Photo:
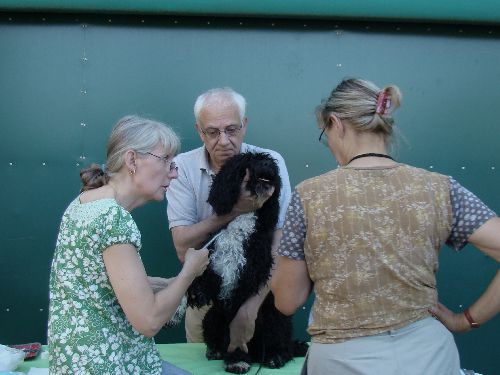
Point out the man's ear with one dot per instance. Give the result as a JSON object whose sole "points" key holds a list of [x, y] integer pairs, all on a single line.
{"points": [[200, 133]]}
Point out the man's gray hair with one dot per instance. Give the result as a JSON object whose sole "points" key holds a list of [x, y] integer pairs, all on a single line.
{"points": [[220, 96]]}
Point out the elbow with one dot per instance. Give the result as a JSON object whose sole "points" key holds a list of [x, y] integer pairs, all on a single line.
{"points": [[284, 308], [181, 254], [148, 328]]}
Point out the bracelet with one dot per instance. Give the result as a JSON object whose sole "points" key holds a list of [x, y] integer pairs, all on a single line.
{"points": [[471, 321]]}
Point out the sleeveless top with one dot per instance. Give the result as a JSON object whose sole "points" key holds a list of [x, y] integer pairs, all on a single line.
{"points": [[371, 247]]}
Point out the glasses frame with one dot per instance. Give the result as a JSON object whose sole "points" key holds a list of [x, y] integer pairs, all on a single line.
{"points": [[171, 164], [238, 129]]}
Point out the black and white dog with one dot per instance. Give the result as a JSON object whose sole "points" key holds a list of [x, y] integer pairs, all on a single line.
{"points": [[240, 263]]}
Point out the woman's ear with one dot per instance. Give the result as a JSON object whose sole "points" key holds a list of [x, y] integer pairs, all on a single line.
{"points": [[338, 125], [130, 161]]}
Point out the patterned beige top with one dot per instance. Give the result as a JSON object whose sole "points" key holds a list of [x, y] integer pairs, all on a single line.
{"points": [[370, 237]]}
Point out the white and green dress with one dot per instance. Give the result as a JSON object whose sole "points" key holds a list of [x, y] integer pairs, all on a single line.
{"points": [[88, 332]]}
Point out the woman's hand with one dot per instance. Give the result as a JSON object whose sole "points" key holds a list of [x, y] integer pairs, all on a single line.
{"points": [[195, 262], [454, 322]]}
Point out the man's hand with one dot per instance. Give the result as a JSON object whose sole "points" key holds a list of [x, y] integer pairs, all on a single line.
{"points": [[241, 329], [248, 202]]}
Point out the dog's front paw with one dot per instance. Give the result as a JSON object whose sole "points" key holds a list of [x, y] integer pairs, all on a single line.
{"points": [[240, 367], [213, 354], [276, 361]]}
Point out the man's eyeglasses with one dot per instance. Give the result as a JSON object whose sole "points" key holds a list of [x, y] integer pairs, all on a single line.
{"points": [[165, 159], [214, 133]]}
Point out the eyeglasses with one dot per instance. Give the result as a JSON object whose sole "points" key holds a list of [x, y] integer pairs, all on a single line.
{"points": [[324, 141], [214, 133], [165, 159]]}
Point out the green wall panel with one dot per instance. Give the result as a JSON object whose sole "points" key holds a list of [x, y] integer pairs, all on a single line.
{"points": [[484, 11], [66, 79]]}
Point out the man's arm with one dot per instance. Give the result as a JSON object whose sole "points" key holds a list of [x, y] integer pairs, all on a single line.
{"points": [[242, 327], [187, 236], [194, 235]]}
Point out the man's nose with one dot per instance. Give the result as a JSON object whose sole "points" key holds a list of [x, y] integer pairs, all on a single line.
{"points": [[223, 138]]}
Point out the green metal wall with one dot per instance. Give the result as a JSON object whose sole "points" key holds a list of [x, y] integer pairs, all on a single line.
{"points": [[65, 79]]}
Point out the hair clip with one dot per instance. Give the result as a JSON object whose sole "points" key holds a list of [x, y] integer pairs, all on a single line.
{"points": [[383, 103], [263, 179]]}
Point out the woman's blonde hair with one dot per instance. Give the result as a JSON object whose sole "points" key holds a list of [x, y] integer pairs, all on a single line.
{"points": [[130, 133], [366, 107]]}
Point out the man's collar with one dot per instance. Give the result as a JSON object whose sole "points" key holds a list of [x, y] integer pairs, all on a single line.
{"points": [[204, 163]]}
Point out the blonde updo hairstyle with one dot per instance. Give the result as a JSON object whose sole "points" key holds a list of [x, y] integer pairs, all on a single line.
{"points": [[129, 133], [356, 101]]}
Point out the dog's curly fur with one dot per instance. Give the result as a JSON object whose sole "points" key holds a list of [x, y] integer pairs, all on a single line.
{"points": [[246, 244]]}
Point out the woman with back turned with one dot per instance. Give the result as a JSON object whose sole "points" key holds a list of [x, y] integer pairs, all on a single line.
{"points": [[103, 310], [366, 237]]}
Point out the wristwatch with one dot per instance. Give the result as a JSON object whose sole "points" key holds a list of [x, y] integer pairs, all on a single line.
{"points": [[471, 321]]}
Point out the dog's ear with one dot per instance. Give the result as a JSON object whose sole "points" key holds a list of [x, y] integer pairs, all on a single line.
{"points": [[226, 185]]}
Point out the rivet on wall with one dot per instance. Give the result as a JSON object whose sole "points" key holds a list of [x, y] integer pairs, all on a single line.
{"points": [[307, 165], [431, 167], [429, 29], [463, 167], [339, 65], [336, 26], [83, 124], [272, 24], [490, 32], [11, 163], [43, 163], [77, 164], [43, 19], [7, 309], [83, 92], [84, 59], [84, 25], [82, 157], [460, 31], [41, 309], [176, 21], [208, 22], [109, 20], [398, 28], [367, 27], [305, 25], [241, 23], [493, 168], [10, 18]]}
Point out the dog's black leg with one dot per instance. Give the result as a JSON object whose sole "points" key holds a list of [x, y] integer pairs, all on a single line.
{"points": [[215, 332], [276, 335]]}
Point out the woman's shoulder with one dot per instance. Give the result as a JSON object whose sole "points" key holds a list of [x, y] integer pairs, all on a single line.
{"points": [[98, 209], [423, 173], [316, 181]]}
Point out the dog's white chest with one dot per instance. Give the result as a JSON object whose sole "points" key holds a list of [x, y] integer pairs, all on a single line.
{"points": [[228, 259]]}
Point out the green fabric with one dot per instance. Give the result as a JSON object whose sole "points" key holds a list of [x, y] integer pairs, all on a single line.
{"points": [[88, 330], [190, 357]]}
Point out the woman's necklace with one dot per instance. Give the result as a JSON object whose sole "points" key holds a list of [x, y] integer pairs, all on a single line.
{"points": [[368, 154]]}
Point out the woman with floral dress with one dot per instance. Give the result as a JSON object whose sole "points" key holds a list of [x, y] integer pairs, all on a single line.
{"points": [[104, 309]]}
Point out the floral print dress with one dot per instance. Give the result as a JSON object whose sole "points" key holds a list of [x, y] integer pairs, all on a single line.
{"points": [[88, 332]]}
